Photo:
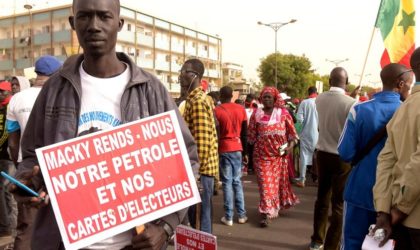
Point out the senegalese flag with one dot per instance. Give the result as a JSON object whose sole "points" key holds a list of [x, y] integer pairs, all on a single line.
{"points": [[397, 24]]}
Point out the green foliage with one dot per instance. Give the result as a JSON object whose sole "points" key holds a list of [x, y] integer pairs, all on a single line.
{"points": [[294, 75]]}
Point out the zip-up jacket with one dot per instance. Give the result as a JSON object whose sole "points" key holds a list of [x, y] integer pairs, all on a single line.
{"points": [[55, 118]]}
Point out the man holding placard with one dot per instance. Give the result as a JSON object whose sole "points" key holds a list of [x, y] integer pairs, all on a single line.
{"points": [[96, 91]]}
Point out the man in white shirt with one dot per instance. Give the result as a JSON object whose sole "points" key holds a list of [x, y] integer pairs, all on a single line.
{"points": [[18, 112]]}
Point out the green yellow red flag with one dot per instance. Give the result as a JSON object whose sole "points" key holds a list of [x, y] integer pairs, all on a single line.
{"points": [[396, 21]]}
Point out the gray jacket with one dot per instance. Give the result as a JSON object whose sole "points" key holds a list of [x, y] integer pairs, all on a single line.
{"points": [[55, 116]]}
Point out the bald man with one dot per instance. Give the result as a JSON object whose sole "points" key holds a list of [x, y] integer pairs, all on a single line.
{"points": [[396, 192], [332, 107], [366, 121]]}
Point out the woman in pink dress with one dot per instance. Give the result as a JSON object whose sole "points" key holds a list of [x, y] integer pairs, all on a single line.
{"points": [[270, 128]]}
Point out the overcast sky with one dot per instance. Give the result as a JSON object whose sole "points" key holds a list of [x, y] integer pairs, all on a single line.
{"points": [[325, 29]]}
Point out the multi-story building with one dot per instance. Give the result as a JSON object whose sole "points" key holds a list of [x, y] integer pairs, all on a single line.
{"points": [[233, 76], [157, 45]]}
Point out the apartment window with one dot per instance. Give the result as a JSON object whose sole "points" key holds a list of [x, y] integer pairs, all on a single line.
{"points": [[129, 27], [167, 58], [205, 47], [148, 55], [47, 51], [140, 29], [46, 29]]}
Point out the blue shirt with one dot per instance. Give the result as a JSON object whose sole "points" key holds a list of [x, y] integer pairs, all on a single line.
{"points": [[363, 122]]}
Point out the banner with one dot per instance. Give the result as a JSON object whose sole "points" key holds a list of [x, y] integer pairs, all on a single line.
{"points": [[108, 182]]}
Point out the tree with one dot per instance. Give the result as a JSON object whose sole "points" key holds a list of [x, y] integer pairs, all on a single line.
{"points": [[293, 73]]}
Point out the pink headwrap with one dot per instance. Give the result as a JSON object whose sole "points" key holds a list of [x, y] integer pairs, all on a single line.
{"points": [[278, 101]]}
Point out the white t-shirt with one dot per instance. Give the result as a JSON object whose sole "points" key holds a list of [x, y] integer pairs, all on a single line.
{"points": [[100, 110], [18, 111]]}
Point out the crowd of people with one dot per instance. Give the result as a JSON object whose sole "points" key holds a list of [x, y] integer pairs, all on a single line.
{"points": [[363, 155]]}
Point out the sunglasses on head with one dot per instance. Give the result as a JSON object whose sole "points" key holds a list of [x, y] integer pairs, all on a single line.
{"points": [[402, 73]]}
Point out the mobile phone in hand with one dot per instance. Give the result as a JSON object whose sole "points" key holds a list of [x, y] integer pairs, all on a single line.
{"points": [[282, 148], [20, 185]]}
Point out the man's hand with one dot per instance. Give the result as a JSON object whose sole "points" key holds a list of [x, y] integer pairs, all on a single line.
{"points": [[245, 159], [397, 216], [21, 196], [153, 237], [355, 92], [383, 221], [290, 148]]}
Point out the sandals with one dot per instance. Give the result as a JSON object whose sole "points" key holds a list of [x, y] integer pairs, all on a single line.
{"points": [[265, 221]]}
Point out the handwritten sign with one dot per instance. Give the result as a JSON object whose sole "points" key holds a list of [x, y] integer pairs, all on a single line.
{"points": [[108, 182], [187, 238]]}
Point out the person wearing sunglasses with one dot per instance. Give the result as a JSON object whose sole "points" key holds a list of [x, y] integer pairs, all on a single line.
{"points": [[198, 115], [363, 138]]}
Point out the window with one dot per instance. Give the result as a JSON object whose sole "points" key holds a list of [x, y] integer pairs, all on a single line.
{"points": [[46, 29], [129, 27], [140, 29]]}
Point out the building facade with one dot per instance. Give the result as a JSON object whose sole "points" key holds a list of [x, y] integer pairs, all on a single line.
{"points": [[156, 45], [233, 76]]}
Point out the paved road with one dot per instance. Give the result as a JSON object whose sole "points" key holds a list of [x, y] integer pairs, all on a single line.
{"points": [[291, 230]]}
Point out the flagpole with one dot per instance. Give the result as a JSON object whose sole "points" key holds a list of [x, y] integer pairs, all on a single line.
{"points": [[367, 54], [370, 44]]}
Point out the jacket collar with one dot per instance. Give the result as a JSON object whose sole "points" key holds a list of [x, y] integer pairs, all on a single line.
{"points": [[387, 95], [195, 93], [415, 89], [71, 66]]}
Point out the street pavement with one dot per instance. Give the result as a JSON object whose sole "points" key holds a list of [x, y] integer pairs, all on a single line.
{"points": [[292, 230]]}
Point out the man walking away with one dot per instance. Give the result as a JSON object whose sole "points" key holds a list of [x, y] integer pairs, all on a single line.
{"points": [[332, 107], [232, 152], [363, 138], [307, 116]]}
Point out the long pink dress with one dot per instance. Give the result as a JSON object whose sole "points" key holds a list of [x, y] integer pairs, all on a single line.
{"points": [[268, 133]]}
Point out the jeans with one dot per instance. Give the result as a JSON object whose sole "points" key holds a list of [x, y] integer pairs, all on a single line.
{"points": [[230, 171], [205, 209], [8, 209], [206, 203], [333, 174]]}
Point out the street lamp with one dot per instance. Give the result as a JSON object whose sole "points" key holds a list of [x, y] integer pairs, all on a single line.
{"points": [[337, 62], [31, 55], [276, 26]]}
